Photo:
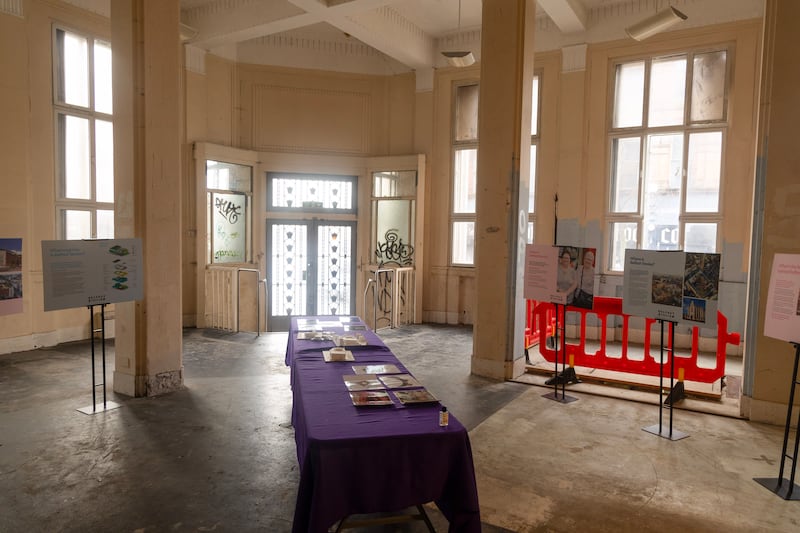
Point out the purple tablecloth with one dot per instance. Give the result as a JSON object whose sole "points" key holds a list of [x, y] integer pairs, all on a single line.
{"points": [[356, 460]]}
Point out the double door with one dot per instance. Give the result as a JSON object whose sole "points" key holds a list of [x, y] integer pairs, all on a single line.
{"points": [[310, 269]]}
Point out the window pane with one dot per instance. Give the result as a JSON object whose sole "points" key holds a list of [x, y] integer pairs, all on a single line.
{"points": [[104, 158], [464, 180], [77, 158], [667, 91], [701, 237], [466, 124], [105, 224], [662, 192], [703, 173], [77, 224], [623, 236], [75, 62], [303, 192], [228, 176], [102, 77], [532, 182], [229, 223], [463, 243], [625, 175], [393, 228], [629, 95], [535, 106], [708, 86], [394, 184], [530, 233]]}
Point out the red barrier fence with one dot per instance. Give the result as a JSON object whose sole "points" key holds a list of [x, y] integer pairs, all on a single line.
{"points": [[541, 320]]}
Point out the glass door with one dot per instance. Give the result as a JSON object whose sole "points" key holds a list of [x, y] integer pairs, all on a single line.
{"points": [[310, 269]]}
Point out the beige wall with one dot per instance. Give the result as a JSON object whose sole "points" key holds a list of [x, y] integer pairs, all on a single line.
{"points": [[286, 114], [26, 159]]}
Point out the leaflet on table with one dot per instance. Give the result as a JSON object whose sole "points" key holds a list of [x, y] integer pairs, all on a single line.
{"points": [[782, 319], [400, 381], [674, 286], [362, 382], [376, 369], [366, 398], [414, 396]]}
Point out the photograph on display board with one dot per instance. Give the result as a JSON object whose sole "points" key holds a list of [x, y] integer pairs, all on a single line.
{"points": [[10, 276], [560, 274]]}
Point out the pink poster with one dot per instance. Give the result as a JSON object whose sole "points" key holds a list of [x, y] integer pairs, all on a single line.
{"points": [[10, 276], [782, 319]]}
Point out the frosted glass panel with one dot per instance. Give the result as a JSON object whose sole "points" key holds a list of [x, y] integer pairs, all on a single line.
{"points": [[75, 64], [708, 86], [102, 77], [625, 175], [229, 228], [77, 224], [334, 269], [463, 251], [315, 193], [104, 157], [629, 95], [77, 157], [703, 177], [394, 239], [667, 92], [105, 224], [466, 123], [288, 266], [464, 181], [701, 237]]}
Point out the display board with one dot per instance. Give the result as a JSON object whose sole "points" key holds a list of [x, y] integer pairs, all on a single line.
{"points": [[10, 276], [560, 274], [674, 286], [91, 272], [782, 319]]}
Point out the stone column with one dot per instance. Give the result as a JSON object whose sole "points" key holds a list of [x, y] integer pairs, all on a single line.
{"points": [[146, 52], [776, 224], [504, 125]]}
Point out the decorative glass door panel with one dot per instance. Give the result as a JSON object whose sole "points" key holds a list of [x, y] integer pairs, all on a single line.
{"points": [[310, 269], [335, 270], [288, 249]]}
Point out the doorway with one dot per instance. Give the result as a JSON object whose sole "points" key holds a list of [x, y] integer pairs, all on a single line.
{"points": [[310, 269]]}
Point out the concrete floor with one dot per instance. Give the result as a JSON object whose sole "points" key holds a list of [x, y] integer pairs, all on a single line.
{"points": [[219, 455]]}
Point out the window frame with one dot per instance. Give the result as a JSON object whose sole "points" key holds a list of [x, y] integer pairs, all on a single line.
{"points": [[456, 146], [644, 132], [63, 203]]}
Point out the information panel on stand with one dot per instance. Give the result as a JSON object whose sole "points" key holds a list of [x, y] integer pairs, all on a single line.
{"points": [[782, 319], [673, 286], [91, 272]]}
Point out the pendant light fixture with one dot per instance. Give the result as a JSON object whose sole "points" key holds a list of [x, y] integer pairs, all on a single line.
{"points": [[459, 58], [655, 24]]}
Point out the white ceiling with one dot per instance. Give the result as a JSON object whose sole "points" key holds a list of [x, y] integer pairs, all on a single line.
{"points": [[393, 36]]}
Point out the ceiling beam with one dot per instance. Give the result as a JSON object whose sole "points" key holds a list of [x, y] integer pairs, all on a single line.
{"points": [[569, 15]]}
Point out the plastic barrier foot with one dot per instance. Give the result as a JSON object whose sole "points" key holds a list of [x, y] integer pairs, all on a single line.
{"points": [[677, 394]]}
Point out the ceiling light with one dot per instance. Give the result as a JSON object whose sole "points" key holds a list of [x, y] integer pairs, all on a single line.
{"points": [[655, 24], [459, 58]]}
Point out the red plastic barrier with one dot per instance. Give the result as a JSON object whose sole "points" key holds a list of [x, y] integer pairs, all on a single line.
{"points": [[604, 307]]}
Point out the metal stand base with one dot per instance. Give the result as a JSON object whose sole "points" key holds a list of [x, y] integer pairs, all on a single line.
{"points": [[780, 487], [667, 433], [562, 398], [93, 410]]}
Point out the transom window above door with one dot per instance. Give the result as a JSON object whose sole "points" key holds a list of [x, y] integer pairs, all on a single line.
{"points": [[311, 193]]}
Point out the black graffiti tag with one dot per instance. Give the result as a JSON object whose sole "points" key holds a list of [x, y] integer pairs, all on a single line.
{"points": [[228, 209]]}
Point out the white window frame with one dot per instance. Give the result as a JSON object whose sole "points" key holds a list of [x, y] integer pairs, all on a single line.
{"points": [[63, 204], [643, 132]]}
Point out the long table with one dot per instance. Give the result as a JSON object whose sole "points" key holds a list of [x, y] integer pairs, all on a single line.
{"points": [[361, 460]]}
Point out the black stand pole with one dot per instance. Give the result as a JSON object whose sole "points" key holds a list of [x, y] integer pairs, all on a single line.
{"points": [[658, 429], [562, 341], [787, 491], [107, 406]]}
